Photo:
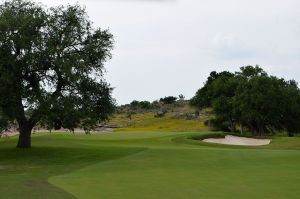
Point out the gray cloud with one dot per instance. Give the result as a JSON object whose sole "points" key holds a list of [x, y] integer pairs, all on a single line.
{"points": [[170, 47], [230, 46]]}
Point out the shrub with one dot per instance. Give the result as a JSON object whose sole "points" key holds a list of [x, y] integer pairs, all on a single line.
{"points": [[168, 100]]}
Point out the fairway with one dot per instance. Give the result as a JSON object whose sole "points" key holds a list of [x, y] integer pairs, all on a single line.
{"points": [[147, 165]]}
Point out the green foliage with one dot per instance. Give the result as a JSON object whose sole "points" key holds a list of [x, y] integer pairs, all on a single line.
{"points": [[250, 71], [291, 112], [51, 66], [146, 105], [208, 92], [218, 124], [181, 97], [3, 121], [164, 104], [134, 104], [251, 98], [168, 100]]}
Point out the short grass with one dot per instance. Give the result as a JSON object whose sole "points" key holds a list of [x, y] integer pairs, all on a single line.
{"points": [[148, 165]]}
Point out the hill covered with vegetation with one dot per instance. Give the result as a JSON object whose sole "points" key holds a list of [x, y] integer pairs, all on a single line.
{"points": [[166, 114]]}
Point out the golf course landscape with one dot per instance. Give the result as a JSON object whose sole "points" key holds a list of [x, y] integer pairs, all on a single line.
{"points": [[150, 165], [149, 99]]}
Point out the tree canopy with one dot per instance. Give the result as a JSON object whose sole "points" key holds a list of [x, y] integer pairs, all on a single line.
{"points": [[51, 68], [168, 100], [251, 99]]}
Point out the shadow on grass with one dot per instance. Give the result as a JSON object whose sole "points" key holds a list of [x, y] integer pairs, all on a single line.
{"points": [[24, 173]]}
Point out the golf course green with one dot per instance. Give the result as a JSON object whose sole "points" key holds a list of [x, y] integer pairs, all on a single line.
{"points": [[149, 165]]}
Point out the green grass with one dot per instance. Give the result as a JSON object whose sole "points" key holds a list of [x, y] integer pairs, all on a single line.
{"points": [[146, 122], [148, 165]]}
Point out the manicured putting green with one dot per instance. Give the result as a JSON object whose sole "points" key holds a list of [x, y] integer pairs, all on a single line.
{"points": [[147, 165]]}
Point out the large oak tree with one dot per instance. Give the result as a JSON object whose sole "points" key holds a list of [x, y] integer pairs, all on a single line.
{"points": [[51, 68]]}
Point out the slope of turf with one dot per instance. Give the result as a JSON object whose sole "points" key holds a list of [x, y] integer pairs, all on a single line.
{"points": [[147, 165], [25, 173]]}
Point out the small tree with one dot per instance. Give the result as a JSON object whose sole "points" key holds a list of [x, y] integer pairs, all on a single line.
{"points": [[51, 67], [181, 97], [134, 104], [145, 105], [168, 100]]}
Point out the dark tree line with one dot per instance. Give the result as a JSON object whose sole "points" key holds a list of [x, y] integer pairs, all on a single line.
{"points": [[251, 100], [146, 105]]}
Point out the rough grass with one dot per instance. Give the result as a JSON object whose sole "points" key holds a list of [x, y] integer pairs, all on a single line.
{"points": [[147, 122], [150, 165]]}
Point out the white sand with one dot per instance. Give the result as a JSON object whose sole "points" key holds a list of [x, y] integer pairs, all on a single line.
{"points": [[234, 140]]}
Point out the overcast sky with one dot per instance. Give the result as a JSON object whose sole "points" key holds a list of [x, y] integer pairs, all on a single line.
{"points": [[169, 47]]}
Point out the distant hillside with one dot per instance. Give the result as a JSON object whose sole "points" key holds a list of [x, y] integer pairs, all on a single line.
{"points": [[178, 116]]}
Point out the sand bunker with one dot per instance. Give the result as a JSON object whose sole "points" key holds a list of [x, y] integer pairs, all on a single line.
{"points": [[234, 140]]}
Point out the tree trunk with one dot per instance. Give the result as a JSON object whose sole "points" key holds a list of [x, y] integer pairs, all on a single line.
{"points": [[242, 129], [290, 134], [232, 125], [261, 129], [25, 135]]}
